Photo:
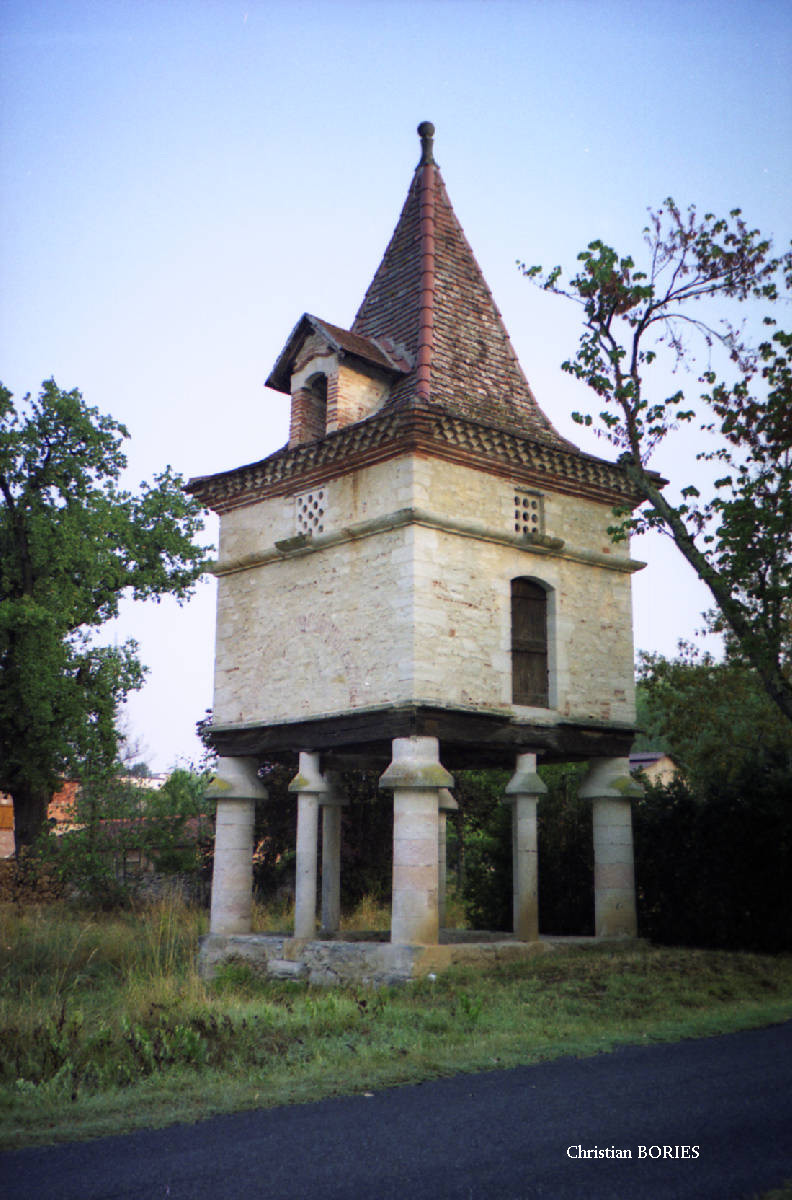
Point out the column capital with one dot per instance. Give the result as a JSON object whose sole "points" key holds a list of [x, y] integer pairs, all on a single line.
{"points": [[334, 797], [446, 802], [525, 781], [416, 766], [309, 777], [609, 779], [236, 779]]}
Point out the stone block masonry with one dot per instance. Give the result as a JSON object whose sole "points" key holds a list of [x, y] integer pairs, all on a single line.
{"points": [[375, 964], [426, 565], [405, 596]]}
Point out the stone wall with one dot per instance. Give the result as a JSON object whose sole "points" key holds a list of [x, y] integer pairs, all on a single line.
{"points": [[403, 593], [372, 964], [316, 633]]}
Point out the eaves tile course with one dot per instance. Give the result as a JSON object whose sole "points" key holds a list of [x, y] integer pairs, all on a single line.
{"points": [[424, 429]]}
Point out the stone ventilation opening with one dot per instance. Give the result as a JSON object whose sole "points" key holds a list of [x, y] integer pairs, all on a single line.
{"points": [[528, 512], [311, 508]]}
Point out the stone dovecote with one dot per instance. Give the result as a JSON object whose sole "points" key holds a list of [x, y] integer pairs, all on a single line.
{"points": [[367, 568], [426, 562]]}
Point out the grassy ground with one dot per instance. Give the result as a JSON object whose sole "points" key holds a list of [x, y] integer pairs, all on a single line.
{"points": [[106, 1026]]}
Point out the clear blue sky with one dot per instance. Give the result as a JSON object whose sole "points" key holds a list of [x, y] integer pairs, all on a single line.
{"points": [[181, 180]]}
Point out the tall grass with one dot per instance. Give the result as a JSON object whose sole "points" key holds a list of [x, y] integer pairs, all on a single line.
{"points": [[371, 913], [106, 1024]]}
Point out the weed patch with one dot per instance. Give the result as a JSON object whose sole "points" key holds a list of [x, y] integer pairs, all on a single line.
{"points": [[107, 1026]]}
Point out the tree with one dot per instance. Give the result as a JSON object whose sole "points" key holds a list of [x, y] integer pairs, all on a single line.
{"points": [[120, 829], [715, 718], [739, 541], [72, 543]]}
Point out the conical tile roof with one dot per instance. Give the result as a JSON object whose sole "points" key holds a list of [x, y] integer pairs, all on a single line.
{"points": [[457, 390], [429, 294]]}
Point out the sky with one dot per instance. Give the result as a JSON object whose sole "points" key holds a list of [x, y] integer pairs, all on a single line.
{"points": [[182, 179]]}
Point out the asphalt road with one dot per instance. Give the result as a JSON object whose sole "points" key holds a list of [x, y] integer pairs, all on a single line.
{"points": [[502, 1135]]}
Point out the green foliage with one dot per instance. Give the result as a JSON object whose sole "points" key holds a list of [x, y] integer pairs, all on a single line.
{"points": [[713, 717], [566, 853], [566, 884], [484, 829], [120, 829], [739, 539], [366, 837], [366, 840], [179, 822], [72, 543], [714, 849], [275, 836], [713, 869], [649, 731], [101, 1036]]}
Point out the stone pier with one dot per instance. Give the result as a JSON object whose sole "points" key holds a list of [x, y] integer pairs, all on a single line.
{"points": [[310, 786], [332, 803], [610, 787], [446, 804], [416, 777], [522, 792], [236, 787]]}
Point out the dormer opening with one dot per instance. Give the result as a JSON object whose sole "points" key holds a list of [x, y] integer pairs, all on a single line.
{"points": [[309, 411]]}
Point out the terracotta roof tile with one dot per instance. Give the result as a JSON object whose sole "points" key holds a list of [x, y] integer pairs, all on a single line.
{"points": [[473, 368]]}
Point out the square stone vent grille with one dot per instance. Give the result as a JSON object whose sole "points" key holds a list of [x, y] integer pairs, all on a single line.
{"points": [[311, 508], [528, 512]]}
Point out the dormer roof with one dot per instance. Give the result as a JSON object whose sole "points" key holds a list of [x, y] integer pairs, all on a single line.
{"points": [[381, 353]]}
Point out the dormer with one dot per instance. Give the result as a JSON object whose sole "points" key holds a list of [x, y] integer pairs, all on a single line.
{"points": [[335, 378]]}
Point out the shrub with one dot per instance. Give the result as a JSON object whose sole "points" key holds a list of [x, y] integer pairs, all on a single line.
{"points": [[566, 871], [713, 870]]}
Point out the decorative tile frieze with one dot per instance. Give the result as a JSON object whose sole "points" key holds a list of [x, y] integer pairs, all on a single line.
{"points": [[426, 429]]}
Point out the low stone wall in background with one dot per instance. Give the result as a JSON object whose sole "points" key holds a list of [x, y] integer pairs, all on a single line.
{"points": [[24, 882]]}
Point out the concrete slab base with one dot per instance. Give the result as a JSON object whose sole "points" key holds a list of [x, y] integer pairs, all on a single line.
{"points": [[370, 963]]}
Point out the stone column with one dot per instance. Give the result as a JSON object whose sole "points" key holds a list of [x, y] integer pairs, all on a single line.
{"points": [[522, 792], [415, 776], [332, 803], [236, 787], [610, 788], [310, 786], [446, 804]]}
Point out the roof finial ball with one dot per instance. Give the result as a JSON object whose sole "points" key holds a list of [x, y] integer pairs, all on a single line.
{"points": [[426, 132]]}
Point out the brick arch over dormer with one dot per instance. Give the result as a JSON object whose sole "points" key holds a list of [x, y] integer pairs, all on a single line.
{"points": [[308, 420]]}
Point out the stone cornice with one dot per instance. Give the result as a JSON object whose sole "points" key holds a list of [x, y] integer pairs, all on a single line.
{"points": [[533, 718], [419, 429], [537, 544], [469, 736]]}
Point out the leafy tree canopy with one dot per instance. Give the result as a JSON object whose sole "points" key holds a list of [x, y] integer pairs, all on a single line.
{"points": [[72, 543], [676, 303], [715, 718]]}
